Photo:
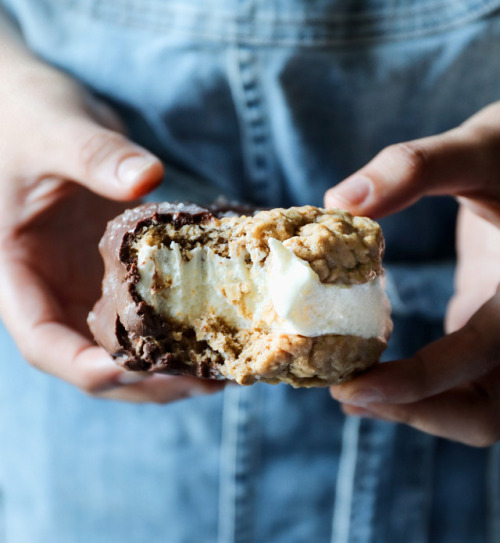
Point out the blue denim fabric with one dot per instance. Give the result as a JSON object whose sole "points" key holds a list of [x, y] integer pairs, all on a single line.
{"points": [[270, 102]]}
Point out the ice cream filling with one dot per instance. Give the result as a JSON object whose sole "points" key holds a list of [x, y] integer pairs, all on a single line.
{"points": [[283, 294]]}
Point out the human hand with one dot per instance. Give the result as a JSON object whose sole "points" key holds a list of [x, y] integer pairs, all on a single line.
{"points": [[63, 159], [450, 388]]}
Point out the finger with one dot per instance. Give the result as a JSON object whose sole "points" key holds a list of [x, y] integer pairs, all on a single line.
{"points": [[466, 414], [460, 308], [478, 248], [36, 322], [102, 160], [458, 358], [162, 389], [464, 161]]}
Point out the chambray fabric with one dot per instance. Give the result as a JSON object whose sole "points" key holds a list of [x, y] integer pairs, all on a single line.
{"points": [[269, 102]]}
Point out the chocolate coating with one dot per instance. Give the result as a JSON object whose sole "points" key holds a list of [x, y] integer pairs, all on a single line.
{"points": [[120, 317]]}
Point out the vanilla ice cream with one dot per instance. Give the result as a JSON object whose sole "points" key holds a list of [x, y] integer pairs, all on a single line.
{"points": [[282, 295]]}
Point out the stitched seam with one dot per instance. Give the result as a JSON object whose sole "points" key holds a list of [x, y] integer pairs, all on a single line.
{"points": [[243, 478], [234, 80], [238, 445], [364, 487], [224, 16], [235, 37], [256, 126], [342, 511], [228, 466], [244, 82]]}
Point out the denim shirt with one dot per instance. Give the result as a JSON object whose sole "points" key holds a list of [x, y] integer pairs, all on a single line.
{"points": [[269, 102]]}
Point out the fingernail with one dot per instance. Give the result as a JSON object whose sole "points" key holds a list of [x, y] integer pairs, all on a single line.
{"points": [[352, 192], [364, 396], [131, 169], [131, 377]]}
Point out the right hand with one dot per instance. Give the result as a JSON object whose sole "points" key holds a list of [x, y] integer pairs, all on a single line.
{"points": [[65, 166], [451, 387]]}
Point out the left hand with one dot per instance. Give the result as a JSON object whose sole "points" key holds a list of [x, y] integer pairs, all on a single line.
{"points": [[66, 168], [450, 388]]}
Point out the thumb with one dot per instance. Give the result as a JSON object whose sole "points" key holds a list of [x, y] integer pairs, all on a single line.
{"points": [[461, 162], [105, 161]]}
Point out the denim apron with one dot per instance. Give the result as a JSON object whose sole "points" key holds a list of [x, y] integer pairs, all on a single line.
{"points": [[269, 102]]}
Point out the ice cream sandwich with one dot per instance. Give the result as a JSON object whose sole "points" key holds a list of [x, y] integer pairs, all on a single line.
{"points": [[284, 295]]}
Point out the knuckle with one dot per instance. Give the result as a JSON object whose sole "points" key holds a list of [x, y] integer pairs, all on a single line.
{"points": [[92, 385], [414, 156], [480, 332], [418, 380], [31, 355], [99, 147], [487, 433], [481, 135], [486, 423], [31, 358], [484, 140], [422, 379], [407, 416]]}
